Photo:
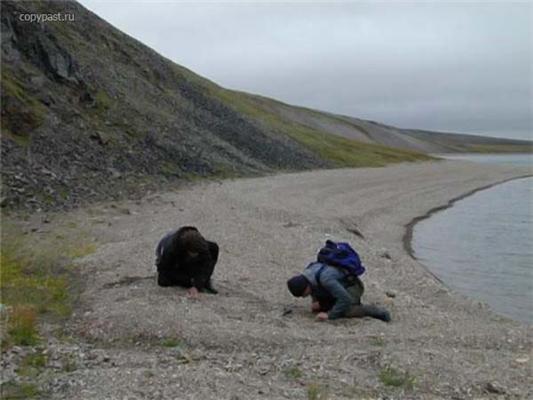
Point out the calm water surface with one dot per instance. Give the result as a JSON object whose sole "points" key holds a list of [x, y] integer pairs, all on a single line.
{"points": [[482, 246]]}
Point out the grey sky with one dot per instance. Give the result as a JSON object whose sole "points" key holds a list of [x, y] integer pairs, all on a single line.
{"points": [[450, 66]]}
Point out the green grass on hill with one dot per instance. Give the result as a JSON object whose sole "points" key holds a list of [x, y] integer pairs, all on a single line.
{"points": [[21, 111], [498, 148], [342, 152], [351, 153]]}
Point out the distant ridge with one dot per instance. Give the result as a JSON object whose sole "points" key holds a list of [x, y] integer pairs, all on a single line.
{"points": [[89, 113]]}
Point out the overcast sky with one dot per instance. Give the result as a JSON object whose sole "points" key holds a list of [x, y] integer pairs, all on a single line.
{"points": [[450, 66]]}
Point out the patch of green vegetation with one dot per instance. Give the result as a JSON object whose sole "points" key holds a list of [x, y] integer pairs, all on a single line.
{"points": [[390, 376], [102, 101], [377, 341], [148, 374], [130, 131], [81, 250], [226, 172], [181, 73], [15, 390], [316, 391], [21, 140], [171, 342], [32, 364], [69, 363], [499, 148], [341, 151], [35, 280], [64, 193], [22, 327], [183, 357], [192, 177], [23, 112], [170, 169], [30, 282], [294, 373], [13, 87], [350, 153]]}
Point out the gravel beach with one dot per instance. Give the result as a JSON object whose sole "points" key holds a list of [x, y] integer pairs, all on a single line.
{"points": [[135, 340]]}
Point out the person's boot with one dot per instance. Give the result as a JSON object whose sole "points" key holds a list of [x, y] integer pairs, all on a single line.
{"points": [[377, 312], [361, 311], [209, 288]]}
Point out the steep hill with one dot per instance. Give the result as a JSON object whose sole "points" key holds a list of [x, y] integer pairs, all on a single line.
{"points": [[366, 131], [90, 113]]}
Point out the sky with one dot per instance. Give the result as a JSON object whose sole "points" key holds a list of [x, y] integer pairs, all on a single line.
{"points": [[456, 66]]}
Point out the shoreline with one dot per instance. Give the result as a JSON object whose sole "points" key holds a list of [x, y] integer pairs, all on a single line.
{"points": [[241, 341], [408, 236]]}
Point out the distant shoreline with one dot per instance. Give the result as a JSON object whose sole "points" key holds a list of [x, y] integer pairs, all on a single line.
{"points": [[409, 228]]}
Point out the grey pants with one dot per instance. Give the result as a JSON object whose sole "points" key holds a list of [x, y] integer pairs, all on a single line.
{"points": [[359, 310]]}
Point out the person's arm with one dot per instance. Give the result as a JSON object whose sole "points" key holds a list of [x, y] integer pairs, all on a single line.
{"points": [[165, 253], [201, 269], [343, 299], [315, 305]]}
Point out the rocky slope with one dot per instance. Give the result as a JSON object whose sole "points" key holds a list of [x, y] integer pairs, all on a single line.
{"points": [[90, 113]]}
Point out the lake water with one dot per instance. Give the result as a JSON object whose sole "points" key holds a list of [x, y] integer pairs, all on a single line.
{"points": [[482, 246]]}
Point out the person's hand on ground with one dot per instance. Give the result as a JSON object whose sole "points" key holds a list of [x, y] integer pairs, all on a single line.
{"points": [[192, 293], [322, 316]]}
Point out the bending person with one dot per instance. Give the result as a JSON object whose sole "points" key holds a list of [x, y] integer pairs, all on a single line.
{"points": [[336, 293], [185, 258]]}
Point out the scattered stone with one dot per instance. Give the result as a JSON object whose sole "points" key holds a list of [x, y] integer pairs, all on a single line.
{"points": [[55, 364], [37, 81], [495, 387], [125, 211], [356, 232], [101, 137], [115, 174], [290, 224], [390, 294], [286, 311]]}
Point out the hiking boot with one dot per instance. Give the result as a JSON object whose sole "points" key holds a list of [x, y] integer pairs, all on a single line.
{"points": [[377, 312]]}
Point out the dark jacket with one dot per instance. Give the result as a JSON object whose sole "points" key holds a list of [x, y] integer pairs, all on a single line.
{"points": [[180, 263]]}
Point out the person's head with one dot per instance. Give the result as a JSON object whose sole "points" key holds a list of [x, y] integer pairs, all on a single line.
{"points": [[192, 242], [299, 286]]}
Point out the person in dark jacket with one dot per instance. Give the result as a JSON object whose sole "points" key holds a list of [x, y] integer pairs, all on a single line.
{"points": [[335, 293], [185, 258]]}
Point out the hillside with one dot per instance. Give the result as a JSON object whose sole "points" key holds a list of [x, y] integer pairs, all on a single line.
{"points": [[371, 132], [90, 113]]}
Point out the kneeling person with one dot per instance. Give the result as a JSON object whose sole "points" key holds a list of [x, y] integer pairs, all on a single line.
{"points": [[185, 258], [336, 293]]}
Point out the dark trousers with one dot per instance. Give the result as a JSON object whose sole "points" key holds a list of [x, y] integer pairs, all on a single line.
{"points": [[358, 310]]}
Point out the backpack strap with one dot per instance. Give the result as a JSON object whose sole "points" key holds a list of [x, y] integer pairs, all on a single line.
{"points": [[318, 273]]}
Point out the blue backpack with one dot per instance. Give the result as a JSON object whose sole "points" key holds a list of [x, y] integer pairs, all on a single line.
{"points": [[341, 255]]}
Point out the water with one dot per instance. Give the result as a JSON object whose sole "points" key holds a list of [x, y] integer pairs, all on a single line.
{"points": [[514, 159], [482, 245]]}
